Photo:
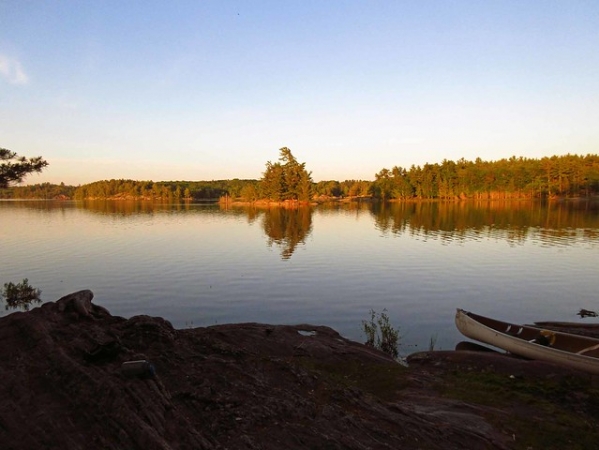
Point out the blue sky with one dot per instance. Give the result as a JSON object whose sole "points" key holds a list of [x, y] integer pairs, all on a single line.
{"points": [[202, 90]]}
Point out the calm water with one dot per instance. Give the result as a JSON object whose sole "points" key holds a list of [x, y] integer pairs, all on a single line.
{"points": [[199, 265]]}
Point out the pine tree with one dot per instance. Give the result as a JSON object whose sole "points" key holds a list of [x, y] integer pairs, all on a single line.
{"points": [[15, 171]]}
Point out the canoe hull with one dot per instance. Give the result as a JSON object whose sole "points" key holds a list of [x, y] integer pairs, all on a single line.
{"points": [[495, 333]]}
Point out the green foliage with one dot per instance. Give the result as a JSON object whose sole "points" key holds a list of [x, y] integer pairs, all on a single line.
{"points": [[329, 188], [287, 179], [380, 333], [272, 185], [20, 295], [14, 168], [347, 188], [163, 191], [44, 191], [568, 175], [249, 193]]}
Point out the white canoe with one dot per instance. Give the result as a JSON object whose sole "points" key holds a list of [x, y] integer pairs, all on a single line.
{"points": [[579, 352]]}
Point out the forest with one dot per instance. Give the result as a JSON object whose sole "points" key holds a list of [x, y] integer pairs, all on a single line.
{"points": [[556, 176], [288, 179]]}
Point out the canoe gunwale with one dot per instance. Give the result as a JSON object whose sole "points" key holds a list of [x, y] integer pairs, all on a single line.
{"points": [[470, 327]]}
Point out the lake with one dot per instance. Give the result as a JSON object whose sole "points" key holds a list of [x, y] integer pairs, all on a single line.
{"points": [[198, 265]]}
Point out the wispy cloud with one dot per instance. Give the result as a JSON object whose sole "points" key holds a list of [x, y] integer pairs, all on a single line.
{"points": [[12, 71]]}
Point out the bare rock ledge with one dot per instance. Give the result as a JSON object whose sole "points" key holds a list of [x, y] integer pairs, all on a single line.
{"points": [[251, 386]]}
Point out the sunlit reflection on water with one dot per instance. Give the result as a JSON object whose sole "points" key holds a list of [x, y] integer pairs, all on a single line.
{"points": [[329, 265]]}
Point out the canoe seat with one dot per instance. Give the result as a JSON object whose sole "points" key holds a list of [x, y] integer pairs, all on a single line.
{"points": [[514, 330], [588, 349]]}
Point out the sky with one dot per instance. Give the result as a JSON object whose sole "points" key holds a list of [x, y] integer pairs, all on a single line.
{"points": [[208, 90]]}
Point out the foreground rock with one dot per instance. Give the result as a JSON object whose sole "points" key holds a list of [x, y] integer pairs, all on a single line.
{"points": [[252, 386]]}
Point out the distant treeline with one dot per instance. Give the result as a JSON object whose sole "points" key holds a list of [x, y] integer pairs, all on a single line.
{"points": [[569, 175], [247, 190], [39, 191], [174, 190], [163, 190]]}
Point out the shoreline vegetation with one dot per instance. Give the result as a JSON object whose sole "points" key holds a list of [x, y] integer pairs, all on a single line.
{"points": [[288, 183]]}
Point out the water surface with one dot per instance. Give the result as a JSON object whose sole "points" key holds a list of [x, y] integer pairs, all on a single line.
{"points": [[198, 265]]}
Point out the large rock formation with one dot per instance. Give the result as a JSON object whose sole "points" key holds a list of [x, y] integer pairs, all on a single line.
{"points": [[245, 386]]}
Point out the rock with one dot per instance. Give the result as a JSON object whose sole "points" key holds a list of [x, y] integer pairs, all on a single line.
{"points": [[81, 303], [239, 386]]}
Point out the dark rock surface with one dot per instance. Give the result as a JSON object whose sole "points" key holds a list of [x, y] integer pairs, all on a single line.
{"points": [[242, 386]]}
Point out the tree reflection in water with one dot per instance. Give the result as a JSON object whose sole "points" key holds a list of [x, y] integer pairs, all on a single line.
{"points": [[287, 227], [556, 222]]}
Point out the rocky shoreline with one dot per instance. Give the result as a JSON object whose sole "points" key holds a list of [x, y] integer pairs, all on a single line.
{"points": [[258, 386]]}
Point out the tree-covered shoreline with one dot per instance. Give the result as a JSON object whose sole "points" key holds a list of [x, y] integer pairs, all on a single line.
{"points": [[288, 180], [556, 176]]}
